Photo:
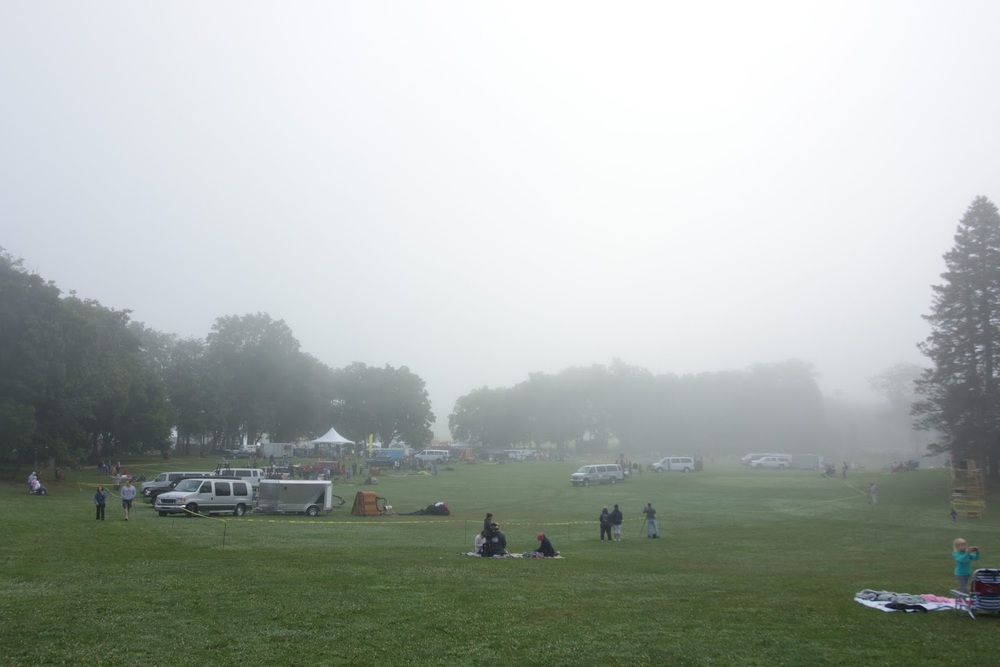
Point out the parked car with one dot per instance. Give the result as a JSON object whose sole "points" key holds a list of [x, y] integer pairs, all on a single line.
{"points": [[603, 473], [675, 463], [773, 462]]}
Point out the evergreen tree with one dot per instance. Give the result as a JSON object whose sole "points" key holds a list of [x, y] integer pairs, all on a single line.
{"points": [[961, 399]]}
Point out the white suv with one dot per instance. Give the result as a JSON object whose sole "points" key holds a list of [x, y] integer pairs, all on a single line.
{"points": [[773, 462]]}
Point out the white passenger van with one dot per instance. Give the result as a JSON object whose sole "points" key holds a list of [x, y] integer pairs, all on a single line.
{"points": [[433, 455], [675, 463], [208, 495], [602, 473], [249, 475]]}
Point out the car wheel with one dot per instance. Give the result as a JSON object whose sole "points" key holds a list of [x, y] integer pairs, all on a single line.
{"points": [[586, 482], [312, 510], [163, 514], [612, 480], [191, 510], [687, 470], [239, 510], [781, 467]]}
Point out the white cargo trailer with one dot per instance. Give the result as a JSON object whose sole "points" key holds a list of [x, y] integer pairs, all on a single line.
{"points": [[295, 496]]}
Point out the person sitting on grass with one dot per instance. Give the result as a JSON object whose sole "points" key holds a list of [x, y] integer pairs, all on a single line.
{"points": [[477, 547], [496, 544], [545, 548]]}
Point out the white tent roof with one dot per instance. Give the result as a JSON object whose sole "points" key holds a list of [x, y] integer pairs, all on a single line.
{"points": [[331, 437]]}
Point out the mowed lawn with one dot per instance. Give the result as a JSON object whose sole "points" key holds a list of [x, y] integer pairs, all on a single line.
{"points": [[754, 568]]}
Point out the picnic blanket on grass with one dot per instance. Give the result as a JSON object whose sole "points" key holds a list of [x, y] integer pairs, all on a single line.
{"points": [[475, 555], [889, 601]]}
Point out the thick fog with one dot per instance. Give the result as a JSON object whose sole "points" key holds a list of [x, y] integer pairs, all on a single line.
{"points": [[482, 190]]}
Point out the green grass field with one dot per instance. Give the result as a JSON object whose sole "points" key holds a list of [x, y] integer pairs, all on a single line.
{"points": [[754, 568]]}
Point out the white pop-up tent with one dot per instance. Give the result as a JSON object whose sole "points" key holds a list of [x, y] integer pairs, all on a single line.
{"points": [[331, 437]]}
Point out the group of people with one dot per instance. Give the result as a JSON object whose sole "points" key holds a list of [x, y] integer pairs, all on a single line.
{"points": [[492, 543], [611, 523], [127, 494], [35, 486]]}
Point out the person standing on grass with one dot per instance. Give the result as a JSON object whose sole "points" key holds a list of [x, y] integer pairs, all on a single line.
{"points": [[963, 555], [100, 500], [616, 524], [128, 493], [605, 520], [652, 527], [873, 494]]}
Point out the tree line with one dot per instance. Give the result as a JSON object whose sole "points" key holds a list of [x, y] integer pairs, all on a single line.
{"points": [[768, 407], [81, 382]]}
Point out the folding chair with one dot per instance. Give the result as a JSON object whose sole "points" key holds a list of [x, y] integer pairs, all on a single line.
{"points": [[984, 592]]}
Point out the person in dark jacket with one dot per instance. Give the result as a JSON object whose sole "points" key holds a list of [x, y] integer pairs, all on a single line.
{"points": [[616, 524], [546, 548], [100, 501], [497, 543], [605, 520]]}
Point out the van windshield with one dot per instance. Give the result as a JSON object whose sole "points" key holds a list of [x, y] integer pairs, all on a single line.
{"points": [[188, 485], [584, 469]]}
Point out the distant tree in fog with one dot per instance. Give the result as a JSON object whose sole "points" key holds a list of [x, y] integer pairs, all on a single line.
{"points": [[962, 388], [258, 381], [484, 417], [75, 381], [770, 407], [388, 403]]}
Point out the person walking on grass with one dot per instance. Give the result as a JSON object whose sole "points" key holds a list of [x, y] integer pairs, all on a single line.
{"points": [[128, 493], [873, 494], [605, 520], [652, 527], [100, 500], [616, 524]]}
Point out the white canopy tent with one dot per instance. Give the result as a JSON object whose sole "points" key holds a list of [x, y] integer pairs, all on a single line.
{"points": [[331, 437]]}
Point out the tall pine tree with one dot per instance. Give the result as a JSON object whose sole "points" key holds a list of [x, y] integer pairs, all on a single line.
{"points": [[961, 398]]}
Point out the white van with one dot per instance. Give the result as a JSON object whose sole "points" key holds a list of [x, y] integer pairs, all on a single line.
{"points": [[675, 463], [602, 473], [250, 475], [208, 495], [433, 455]]}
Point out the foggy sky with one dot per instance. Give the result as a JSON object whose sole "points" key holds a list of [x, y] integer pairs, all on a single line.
{"points": [[482, 190]]}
